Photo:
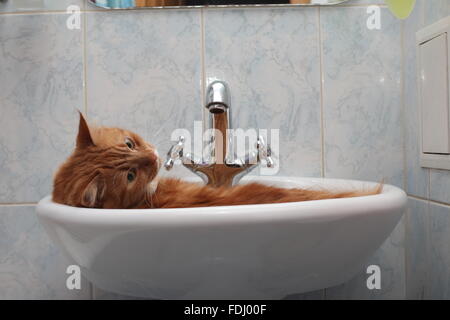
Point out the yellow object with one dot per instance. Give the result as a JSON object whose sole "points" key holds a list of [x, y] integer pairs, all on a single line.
{"points": [[401, 8]]}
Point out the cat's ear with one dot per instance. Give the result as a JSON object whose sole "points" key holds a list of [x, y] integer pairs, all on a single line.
{"points": [[84, 138], [94, 193]]}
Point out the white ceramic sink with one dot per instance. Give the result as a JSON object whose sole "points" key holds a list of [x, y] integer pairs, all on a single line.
{"points": [[232, 252]]}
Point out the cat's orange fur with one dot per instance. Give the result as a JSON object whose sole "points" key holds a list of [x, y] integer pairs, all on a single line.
{"points": [[97, 175]]}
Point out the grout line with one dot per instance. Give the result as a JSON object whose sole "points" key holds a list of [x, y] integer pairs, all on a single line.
{"points": [[406, 247], [32, 13], [403, 106], [322, 79], [268, 6], [85, 64], [203, 68], [435, 202], [18, 204], [275, 6], [406, 226], [426, 286], [417, 197], [422, 25], [422, 16]]}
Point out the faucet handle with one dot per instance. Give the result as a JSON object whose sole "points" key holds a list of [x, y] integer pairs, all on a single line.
{"points": [[175, 153], [264, 152]]}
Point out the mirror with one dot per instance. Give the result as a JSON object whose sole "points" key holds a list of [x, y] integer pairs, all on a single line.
{"points": [[135, 4]]}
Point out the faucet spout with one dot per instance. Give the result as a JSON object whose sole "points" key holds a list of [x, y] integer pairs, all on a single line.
{"points": [[217, 97], [221, 169], [217, 102]]}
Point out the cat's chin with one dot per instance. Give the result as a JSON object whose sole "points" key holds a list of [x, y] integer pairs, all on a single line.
{"points": [[159, 161], [152, 186]]}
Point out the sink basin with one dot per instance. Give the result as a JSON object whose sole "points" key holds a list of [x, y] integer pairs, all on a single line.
{"points": [[230, 252]]}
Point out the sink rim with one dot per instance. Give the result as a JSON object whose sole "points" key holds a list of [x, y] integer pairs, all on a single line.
{"points": [[315, 210]]}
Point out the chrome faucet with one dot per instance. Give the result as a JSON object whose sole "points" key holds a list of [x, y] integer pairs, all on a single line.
{"points": [[221, 168]]}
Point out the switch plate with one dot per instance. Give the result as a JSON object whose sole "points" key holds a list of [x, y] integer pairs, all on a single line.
{"points": [[433, 61]]}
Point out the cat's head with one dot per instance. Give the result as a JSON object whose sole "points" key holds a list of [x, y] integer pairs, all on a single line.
{"points": [[109, 168]]}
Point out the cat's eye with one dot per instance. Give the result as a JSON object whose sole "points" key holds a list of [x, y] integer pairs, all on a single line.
{"points": [[131, 175], [130, 144]]}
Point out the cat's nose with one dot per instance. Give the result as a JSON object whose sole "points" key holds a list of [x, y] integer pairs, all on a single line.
{"points": [[153, 156], [149, 159]]}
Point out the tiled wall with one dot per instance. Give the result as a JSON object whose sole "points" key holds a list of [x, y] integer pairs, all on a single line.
{"points": [[428, 221], [41, 81], [332, 87]]}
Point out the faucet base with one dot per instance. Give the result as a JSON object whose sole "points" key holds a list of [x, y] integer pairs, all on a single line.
{"points": [[219, 175]]}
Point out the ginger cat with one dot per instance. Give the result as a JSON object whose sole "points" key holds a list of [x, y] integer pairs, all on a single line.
{"points": [[115, 168]]}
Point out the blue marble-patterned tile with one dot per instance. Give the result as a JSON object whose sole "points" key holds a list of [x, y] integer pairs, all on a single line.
{"points": [[417, 248], [270, 59], [38, 5], [31, 267], [440, 185], [416, 176], [390, 257], [144, 71], [439, 270], [435, 10], [362, 96], [41, 81]]}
